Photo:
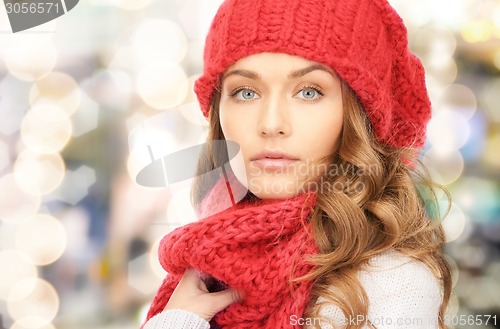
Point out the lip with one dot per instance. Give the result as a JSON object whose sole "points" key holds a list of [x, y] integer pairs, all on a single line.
{"points": [[273, 160]]}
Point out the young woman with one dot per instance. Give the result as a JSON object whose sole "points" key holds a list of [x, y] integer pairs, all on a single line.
{"points": [[330, 109]]}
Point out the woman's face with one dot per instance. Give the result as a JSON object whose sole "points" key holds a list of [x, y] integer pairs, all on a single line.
{"points": [[286, 113]]}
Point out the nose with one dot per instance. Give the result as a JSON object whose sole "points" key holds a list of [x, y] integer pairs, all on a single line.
{"points": [[274, 119]]}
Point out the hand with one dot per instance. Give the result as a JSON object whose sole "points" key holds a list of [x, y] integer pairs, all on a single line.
{"points": [[191, 294]]}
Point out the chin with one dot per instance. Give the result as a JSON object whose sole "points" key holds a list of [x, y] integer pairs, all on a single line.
{"points": [[274, 189]]}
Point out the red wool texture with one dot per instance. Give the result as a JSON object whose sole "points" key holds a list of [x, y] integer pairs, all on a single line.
{"points": [[254, 247], [364, 41]]}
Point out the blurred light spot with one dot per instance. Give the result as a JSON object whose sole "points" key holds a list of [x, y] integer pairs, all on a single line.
{"points": [[484, 295], [33, 297], [19, 206], [448, 130], [496, 16], [162, 87], [76, 185], [179, 209], [46, 128], [159, 41], [131, 4], [196, 15], [32, 322], [123, 58], [100, 2], [455, 272], [147, 145], [138, 159], [154, 263], [478, 197], [414, 13], [142, 314], [19, 268], [42, 239], [28, 62], [496, 59], [461, 99], [118, 57], [445, 73], [111, 88], [473, 256], [487, 9], [86, 118], [76, 222], [454, 223], [435, 45], [57, 88], [194, 56], [446, 167], [451, 13], [39, 173], [478, 31], [141, 276], [31, 38], [435, 88], [139, 200], [491, 231], [473, 149], [192, 113], [135, 119], [156, 136], [493, 269], [453, 306], [491, 155], [191, 96], [490, 98], [4, 156], [13, 102]]}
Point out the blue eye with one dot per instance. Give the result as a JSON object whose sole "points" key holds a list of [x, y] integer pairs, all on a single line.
{"points": [[246, 93], [309, 93], [243, 94]]}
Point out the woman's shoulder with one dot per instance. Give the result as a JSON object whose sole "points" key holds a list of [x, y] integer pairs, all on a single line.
{"points": [[393, 272], [395, 262], [390, 259], [399, 288]]}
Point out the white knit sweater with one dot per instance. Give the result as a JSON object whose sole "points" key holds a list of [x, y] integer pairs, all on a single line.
{"points": [[402, 293]]}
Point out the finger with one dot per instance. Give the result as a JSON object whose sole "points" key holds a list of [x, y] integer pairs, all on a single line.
{"points": [[202, 286], [222, 299], [192, 279], [190, 276]]}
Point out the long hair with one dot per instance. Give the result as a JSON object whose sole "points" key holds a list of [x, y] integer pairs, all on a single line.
{"points": [[378, 202]]}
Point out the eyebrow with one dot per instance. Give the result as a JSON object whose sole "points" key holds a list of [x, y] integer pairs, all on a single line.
{"points": [[293, 75]]}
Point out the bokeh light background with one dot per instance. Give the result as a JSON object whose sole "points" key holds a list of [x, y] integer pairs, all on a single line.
{"points": [[78, 237]]}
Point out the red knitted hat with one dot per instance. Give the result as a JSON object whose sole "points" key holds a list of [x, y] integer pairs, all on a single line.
{"points": [[364, 41]]}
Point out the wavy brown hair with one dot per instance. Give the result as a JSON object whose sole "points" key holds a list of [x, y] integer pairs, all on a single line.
{"points": [[351, 225]]}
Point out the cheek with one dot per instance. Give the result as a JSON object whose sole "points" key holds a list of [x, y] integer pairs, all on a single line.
{"points": [[322, 134], [334, 133], [227, 126], [225, 122], [331, 127], [324, 145], [233, 127]]}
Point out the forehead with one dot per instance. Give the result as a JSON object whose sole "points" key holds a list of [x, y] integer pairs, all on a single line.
{"points": [[268, 56], [277, 63]]}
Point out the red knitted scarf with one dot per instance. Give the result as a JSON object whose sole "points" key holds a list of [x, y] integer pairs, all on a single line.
{"points": [[255, 247]]}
